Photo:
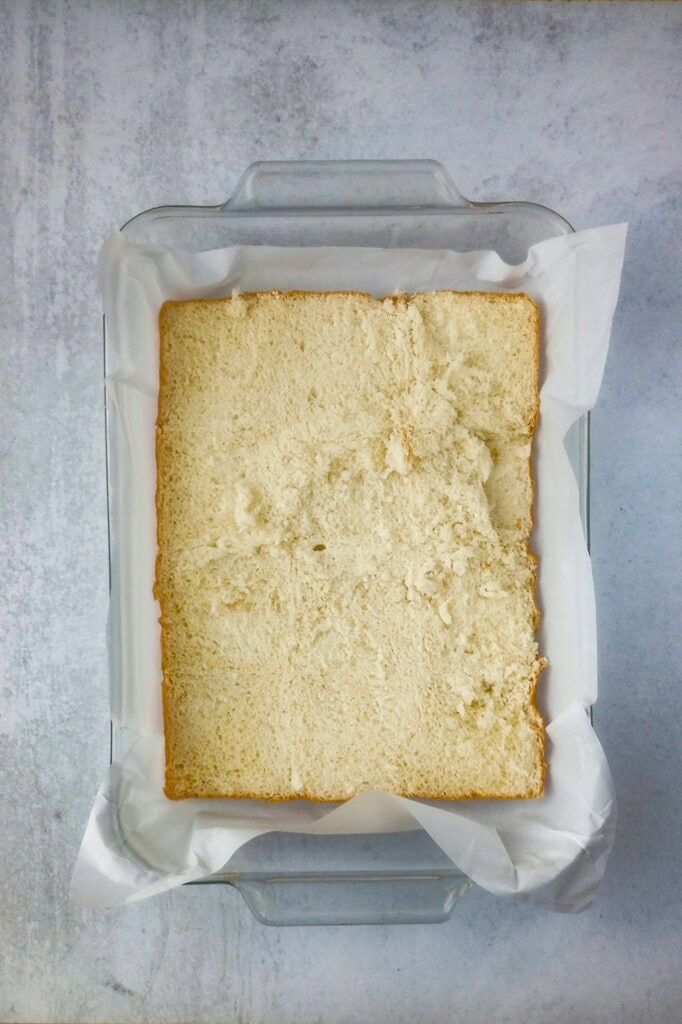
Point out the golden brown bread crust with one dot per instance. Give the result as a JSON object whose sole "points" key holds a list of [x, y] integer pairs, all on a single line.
{"points": [[542, 665], [170, 788]]}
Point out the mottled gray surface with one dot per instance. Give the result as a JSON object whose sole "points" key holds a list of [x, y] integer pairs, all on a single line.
{"points": [[111, 107]]}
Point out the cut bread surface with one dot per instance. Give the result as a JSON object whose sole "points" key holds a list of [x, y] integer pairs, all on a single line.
{"points": [[344, 507]]}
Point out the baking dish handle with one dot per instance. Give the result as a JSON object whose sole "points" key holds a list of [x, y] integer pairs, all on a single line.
{"points": [[419, 897], [345, 184]]}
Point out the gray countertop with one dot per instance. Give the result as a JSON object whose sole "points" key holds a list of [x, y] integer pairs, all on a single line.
{"points": [[112, 107]]}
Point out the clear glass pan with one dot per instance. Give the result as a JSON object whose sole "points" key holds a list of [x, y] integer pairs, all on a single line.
{"points": [[402, 877]]}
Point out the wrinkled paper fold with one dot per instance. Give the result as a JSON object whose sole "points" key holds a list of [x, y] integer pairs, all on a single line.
{"points": [[553, 850]]}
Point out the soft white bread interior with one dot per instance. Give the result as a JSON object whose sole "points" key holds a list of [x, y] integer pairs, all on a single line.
{"points": [[344, 506]]}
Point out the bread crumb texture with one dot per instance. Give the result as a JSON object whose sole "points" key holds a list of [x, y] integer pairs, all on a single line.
{"points": [[344, 502]]}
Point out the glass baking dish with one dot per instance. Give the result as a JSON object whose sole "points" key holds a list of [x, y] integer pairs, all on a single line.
{"points": [[401, 877]]}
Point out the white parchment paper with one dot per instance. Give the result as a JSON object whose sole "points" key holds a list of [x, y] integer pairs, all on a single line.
{"points": [[553, 850]]}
